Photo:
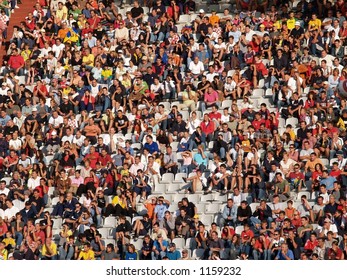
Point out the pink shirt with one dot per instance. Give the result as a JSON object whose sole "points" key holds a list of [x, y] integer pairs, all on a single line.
{"points": [[211, 97]]}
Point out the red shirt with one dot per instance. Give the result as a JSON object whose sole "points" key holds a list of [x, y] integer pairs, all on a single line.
{"points": [[40, 189], [16, 61], [216, 115], [207, 128], [310, 245], [336, 174], [257, 123], [93, 158], [247, 235], [104, 160], [93, 22]]}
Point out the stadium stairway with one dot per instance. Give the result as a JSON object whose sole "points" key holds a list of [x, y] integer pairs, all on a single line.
{"points": [[18, 16]]}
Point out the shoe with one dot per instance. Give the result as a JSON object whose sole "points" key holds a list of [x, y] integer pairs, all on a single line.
{"points": [[184, 179], [207, 192], [17, 7]]}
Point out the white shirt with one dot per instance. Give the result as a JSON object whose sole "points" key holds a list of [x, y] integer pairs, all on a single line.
{"points": [[56, 122], [11, 212], [78, 141], [33, 183], [192, 125], [67, 138], [196, 68], [5, 191], [15, 143], [58, 49]]}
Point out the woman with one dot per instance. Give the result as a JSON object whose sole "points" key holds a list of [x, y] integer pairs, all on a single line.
{"points": [[318, 172], [293, 153], [84, 119], [131, 253], [334, 79], [286, 141], [310, 101], [286, 164]]}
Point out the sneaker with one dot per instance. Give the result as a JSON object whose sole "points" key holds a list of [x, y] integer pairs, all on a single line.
{"points": [[17, 7], [184, 179], [207, 192]]}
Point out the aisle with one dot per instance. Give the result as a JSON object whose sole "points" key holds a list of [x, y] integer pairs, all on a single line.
{"points": [[18, 16]]}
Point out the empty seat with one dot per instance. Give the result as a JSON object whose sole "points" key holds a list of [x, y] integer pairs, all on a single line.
{"points": [[167, 178], [212, 208], [110, 222], [180, 242]]}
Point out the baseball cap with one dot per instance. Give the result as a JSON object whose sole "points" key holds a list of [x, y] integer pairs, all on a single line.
{"points": [[339, 153], [250, 106], [327, 220], [54, 132], [201, 11], [196, 216], [297, 23], [171, 245], [34, 109]]}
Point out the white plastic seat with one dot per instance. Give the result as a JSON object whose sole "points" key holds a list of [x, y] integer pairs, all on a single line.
{"points": [[180, 242], [167, 178], [238, 230], [293, 121], [110, 222], [212, 208]]}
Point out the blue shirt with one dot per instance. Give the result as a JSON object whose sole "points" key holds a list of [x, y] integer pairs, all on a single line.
{"points": [[157, 245], [200, 160], [160, 210], [152, 147], [173, 256], [281, 257], [131, 256], [328, 182]]}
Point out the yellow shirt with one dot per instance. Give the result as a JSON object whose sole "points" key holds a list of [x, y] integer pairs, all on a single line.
{"points": [[26, 54], [53, 249], [106, 73], [315, 24], [278, 24], [291, 23], [9, 241], [3, 255], [116, 201], [88, 60], [87, 255], [62, 14]]}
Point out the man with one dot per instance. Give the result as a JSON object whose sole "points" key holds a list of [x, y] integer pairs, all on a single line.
{"points": [[282, 188], [182, 223], [172, 253], [49, 250], [151, 145], [160, 209], [16, 62], [284, 253], [244, 213], [229, 214], [170, 162]]}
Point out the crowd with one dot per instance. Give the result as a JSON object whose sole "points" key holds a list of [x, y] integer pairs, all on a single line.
{"points": [[160, 131]]}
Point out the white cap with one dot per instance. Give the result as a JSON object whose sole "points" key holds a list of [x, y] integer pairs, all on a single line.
{"points": [[54, 133], [201, 11], [297, 23], [34, 109], [250, 106]]}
